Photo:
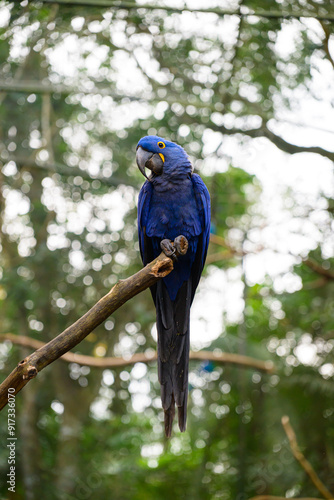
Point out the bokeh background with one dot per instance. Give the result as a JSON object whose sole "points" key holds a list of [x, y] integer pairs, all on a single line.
{"points": [[246, 87]]}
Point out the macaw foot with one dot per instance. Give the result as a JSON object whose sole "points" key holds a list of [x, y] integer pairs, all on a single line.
{"points": [[181, 244], [173, 249], [168, 249]]}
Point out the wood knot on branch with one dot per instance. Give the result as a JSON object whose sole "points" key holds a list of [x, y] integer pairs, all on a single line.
{"points": [[161, 268], [28, 371]]}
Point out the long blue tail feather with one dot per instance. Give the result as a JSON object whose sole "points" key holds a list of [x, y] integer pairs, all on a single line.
{"points": [[173, 352]]}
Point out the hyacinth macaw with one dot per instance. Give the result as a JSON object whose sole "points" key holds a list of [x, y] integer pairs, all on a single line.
{"points": [[172, 202]]}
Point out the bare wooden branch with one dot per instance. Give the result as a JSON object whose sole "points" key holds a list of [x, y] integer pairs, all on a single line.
{"points": [[128, 4], [303, 461], [143, 357], [317, 268], [287, 147], [279, 142], [326, 274], [46, 87], [219, 256], [124, 290], [219, 240], [24, 162], [263, 131], [313, 285], [326, 41]]}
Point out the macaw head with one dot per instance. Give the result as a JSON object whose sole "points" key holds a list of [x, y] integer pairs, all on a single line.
{"points": [[161, 157]]}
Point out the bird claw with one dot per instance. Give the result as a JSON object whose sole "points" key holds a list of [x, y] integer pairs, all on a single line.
{"points": [[168, 249], [181, 244], [173, 249]]}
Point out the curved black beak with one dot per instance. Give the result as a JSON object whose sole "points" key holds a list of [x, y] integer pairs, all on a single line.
{"points": [[152, 161]]}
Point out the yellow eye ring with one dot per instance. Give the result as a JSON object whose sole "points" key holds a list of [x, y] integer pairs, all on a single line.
{"points": [[161, 145]]}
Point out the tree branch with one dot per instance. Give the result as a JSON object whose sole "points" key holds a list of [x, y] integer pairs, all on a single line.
{"points": [[61, 169], [124, 290], [212, 258], [317, 268], [326, 274], [279, 142], [303, 461], [282, 144], [126, 4], [313, 285], [287, 147], [326, 39], [143, 357], [219, 240], [46, 87]]}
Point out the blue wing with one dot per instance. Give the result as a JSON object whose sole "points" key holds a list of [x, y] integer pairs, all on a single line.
{"points": [[145, 245], [203, 205]]}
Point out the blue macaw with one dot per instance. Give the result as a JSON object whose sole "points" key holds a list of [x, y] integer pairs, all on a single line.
{"points": [[172, 202]]}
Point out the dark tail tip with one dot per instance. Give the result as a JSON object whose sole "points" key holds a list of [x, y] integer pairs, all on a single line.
{"points": [[182, 416], [169, 417]]}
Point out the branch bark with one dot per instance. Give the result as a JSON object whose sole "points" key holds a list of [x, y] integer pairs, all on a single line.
{"points": [[22, 162], [46, 87], [128, 4], [287, 147], [124, 290], [143, 357], [317, 268], [264, 131], [327, 33], [279, 142], [303, 461]]}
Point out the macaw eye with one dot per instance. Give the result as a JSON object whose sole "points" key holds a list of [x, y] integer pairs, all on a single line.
{"points": [[161, 145]]}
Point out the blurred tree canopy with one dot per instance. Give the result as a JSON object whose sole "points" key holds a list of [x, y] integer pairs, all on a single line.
{"points": [[80, 83]]}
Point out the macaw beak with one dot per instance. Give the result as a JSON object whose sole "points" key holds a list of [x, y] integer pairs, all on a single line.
{"points": [[152, 161]]}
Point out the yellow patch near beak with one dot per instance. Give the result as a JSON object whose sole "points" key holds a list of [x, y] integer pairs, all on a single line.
{"points": [[162, 157]]}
